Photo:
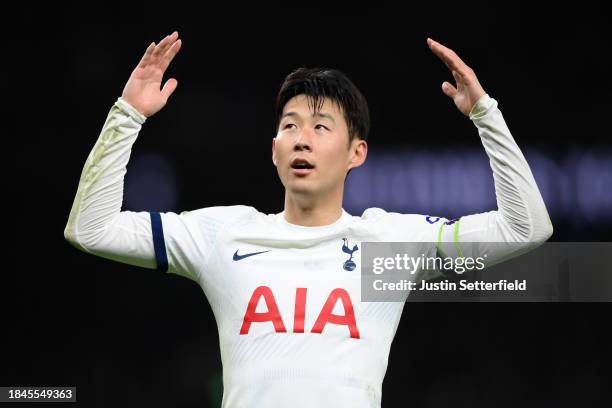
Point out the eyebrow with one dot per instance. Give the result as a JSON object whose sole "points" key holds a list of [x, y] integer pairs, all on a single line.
{"points": [[323, 115]]}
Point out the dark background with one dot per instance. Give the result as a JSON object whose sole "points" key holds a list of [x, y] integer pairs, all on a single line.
{"points": [[125, 335]]}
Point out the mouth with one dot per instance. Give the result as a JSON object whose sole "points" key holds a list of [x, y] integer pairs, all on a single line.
{"points": [[301, 167]]}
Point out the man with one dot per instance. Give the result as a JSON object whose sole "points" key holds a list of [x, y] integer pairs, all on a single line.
{"points": [[292, 327]]}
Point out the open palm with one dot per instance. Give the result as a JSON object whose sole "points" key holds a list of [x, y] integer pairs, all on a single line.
{"points": [[468, 90], [142, 89]]}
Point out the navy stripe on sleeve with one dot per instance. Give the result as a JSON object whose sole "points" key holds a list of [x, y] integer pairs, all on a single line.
{"points": [[158, 242]]}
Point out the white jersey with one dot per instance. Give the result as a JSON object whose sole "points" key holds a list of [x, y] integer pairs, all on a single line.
{"points": [[293, 329]]}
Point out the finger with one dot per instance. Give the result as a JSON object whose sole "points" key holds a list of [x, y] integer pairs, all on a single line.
{"points": [[147, 55], [171, 53], [449, 90], [165, 43], [159, 45], [171, 40], [446, 52], [169, 87], [448, 56], [450, 59], [459, 79]]}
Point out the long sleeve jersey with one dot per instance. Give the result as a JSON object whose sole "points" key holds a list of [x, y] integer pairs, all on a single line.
{"points": [[293, 329]]}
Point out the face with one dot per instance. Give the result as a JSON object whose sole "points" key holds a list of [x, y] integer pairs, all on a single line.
{"points": [[311, 152]]}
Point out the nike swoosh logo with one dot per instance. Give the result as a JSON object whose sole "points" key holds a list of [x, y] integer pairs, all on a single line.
{"points": [[239, 257]]}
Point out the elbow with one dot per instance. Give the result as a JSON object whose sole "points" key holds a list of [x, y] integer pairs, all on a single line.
{"points": [[542, 229], [549, 228], [542, 236], [68, 233], [70, 236], [548, 231]]}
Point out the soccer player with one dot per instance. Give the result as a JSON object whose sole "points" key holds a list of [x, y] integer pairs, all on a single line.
{"points": [[293, 329]]}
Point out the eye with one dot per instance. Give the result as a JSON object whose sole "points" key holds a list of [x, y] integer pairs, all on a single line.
{"points": [[323, 126], [288, 124]]}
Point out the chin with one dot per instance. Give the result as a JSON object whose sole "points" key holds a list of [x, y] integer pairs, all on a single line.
{"points": [[301, 189]]}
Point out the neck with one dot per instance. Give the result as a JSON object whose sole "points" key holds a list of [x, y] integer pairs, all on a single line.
{"points": [[309, 211]]}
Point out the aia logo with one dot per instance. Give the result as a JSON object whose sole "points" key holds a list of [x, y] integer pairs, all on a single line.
{"points": [[325, 316], [348, 265]]}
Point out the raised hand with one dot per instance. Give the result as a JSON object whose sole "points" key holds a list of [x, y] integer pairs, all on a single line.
{"points": [[468, 90], [142, 90]]}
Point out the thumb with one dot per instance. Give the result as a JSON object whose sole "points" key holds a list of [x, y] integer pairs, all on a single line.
{"points": [[449, 90], [169, 88]]}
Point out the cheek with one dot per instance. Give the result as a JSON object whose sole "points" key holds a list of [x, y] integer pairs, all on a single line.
{"points": [[282, 149], [333, 155]]}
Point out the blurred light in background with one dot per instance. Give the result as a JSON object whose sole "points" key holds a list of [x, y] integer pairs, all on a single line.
{"points": [[454, 182]]}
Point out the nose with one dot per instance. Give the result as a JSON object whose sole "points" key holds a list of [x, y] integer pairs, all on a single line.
{"points": [[302, 143]]}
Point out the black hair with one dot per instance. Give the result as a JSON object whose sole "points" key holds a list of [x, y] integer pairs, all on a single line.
{"points": [[318, 83]]}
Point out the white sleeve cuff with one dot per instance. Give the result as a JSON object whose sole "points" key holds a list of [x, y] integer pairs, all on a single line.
{"points": [[482, 106], [130, 110]]}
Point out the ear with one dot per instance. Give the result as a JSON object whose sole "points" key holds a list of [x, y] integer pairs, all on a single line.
{"points": [[274, 151], [358, 154]]}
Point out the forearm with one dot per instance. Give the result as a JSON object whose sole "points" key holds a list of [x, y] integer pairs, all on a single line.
{"points": [[521, 214], [95, 223], [521, 221]]}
